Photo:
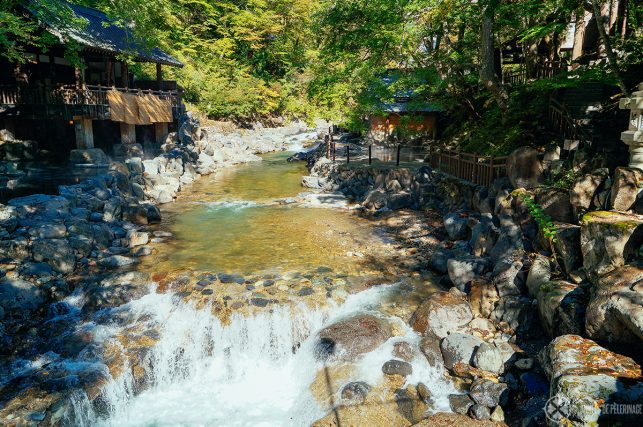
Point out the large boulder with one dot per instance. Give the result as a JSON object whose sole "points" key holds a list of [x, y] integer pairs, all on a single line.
{"points": [[585, 189], [615, 310], [561, 306], [89, 156], [346, 340], [539, 273], [441, 313], [509, 277], [609, 240], [584, 376], [627, 184], [456, 226], [555, 203], [459, 348], [58, 253], [568, 248], [484, 235], [524, 168], [488, 358]]}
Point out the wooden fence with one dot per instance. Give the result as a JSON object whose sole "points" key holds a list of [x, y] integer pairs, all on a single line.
{"points": [[562, 122], [539, 71], [482, 170]]}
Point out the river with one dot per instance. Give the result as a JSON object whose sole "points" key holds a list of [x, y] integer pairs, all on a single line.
{"points": [[257, 364]]}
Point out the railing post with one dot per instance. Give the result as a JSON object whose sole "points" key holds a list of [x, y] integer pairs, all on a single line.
{"points": [[327, 146], [334, 152], [370, 154], [348, 154], [492, 171], [399, 149]]}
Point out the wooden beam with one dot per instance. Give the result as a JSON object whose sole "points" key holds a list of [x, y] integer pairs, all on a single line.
{"points": [[160, 132], [159, 75], [84, 132]]}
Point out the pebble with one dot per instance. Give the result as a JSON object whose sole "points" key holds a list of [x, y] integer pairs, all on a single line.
{"points": [[305, 292], [397, 367], [259, 302]]}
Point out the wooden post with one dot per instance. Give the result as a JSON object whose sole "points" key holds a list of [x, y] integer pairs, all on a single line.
{"points": [[334, 152], [491, 171], [159, 75], [399, 149], [124, 75], [328, 138], [348, 154], [370, 154], [160, 132], [128, 133], [84, 132]]}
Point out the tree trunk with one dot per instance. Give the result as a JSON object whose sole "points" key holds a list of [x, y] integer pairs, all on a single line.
{"points": [[582, 20], [608, 46], [613, 16], [487, 59], [602, 17]]}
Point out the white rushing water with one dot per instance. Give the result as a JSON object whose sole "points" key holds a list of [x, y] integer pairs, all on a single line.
{"points": [[256, 371]]}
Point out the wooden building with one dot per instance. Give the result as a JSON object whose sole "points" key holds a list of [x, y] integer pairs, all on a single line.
{"points": [[405, 113], [100, 104]]}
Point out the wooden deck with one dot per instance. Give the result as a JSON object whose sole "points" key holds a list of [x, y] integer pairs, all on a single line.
{"points": [[65, 102]]}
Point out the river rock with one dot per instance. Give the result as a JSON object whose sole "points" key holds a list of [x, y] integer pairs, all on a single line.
{"points": [[459, 347], [350, 338], [20, 297], [615, 310], [555, 203], [397, 367], [516, 311], [488, 358], [562, 307], [430, 347], [404, 351], [539, 274], [137, 238], [627, 184], [479, 412], [510, 241], [355, 393], [457, 226], [586, 187], [441, 256], [89, 156], [608, 239], [508, 277], [117, 261], [483, 297], [524, 168], [464, 270], [583, 373], [56, 252], [460, 403], [484, 235], [568, 247], [51, 207], [440, 313], [488, 393]]}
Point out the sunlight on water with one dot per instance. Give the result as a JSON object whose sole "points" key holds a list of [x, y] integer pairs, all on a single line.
{"points": [[236, 226]]}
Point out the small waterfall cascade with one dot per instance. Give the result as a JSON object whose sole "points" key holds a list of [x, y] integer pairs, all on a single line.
{"points": [[253, 371]]}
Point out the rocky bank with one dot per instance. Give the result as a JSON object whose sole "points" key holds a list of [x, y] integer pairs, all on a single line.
{"points": [[524, 319]]}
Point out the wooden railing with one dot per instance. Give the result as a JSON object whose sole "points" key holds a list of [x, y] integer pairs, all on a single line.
{"points": [[570, 129], [482, 170], [539, 71], [63, 101]]}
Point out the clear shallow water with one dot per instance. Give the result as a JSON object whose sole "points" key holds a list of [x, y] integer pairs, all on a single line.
{"points": [[255, 370], [232, 223]]}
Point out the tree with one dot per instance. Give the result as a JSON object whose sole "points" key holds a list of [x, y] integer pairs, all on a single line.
{"points": [[487, 55], [611, 57]]}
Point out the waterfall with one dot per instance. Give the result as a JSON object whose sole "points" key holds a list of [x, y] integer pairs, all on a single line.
{"points": [[253, 371]]}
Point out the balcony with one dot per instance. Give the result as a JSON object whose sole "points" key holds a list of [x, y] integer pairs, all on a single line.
{"points": [[63, 102]]}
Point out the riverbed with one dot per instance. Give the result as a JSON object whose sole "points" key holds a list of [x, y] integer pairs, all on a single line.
{"points": [[228, 334]]}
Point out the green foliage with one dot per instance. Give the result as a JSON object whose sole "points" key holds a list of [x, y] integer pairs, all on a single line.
{"points": [[544, 221], [565, 180]]}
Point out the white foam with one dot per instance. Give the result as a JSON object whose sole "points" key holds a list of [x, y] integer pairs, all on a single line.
{"points": [[255, 371]]}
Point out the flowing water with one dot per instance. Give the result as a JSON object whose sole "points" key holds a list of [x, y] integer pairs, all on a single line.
{"points": [[251, 369]]}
